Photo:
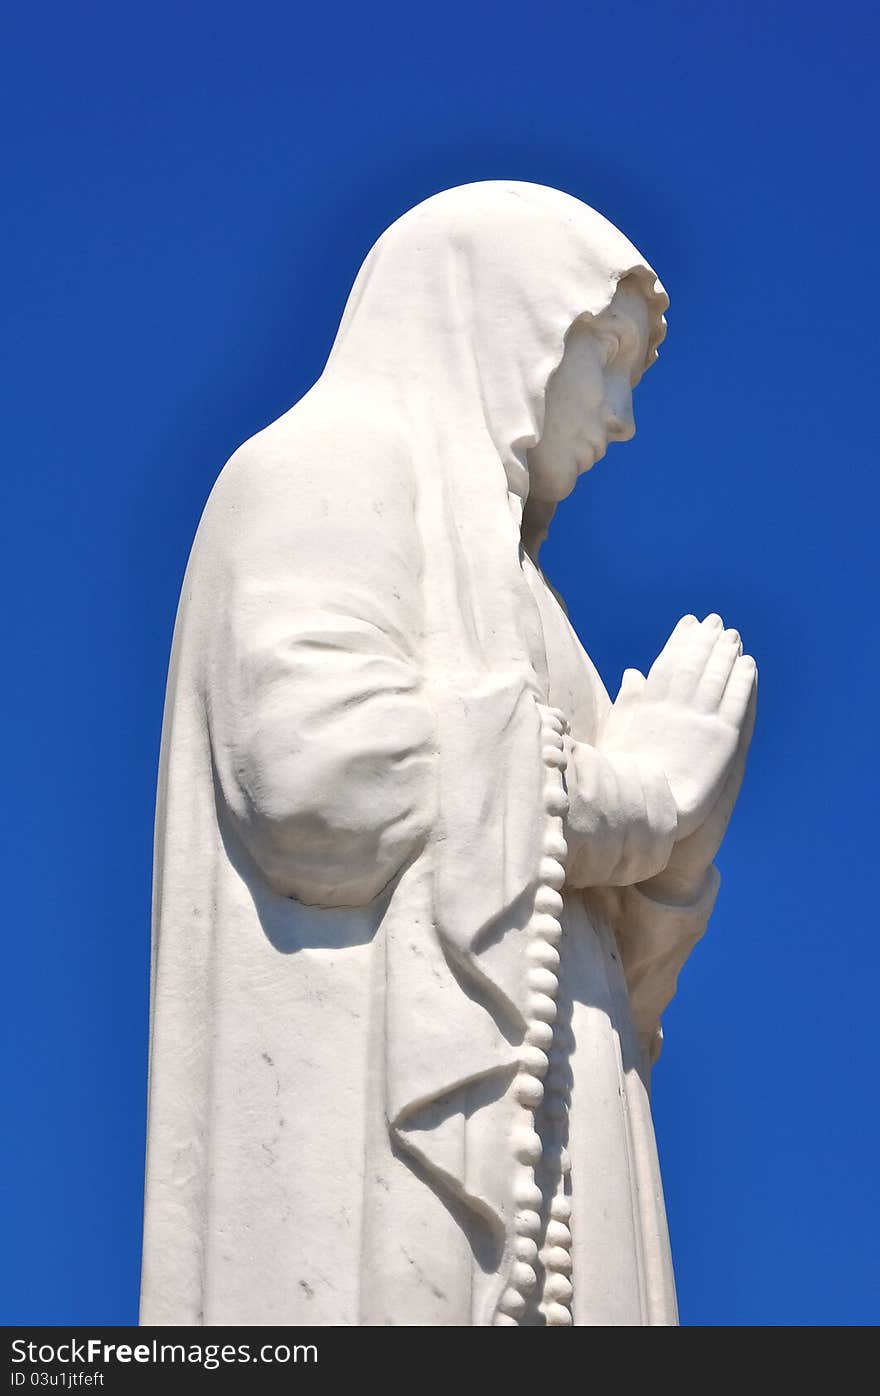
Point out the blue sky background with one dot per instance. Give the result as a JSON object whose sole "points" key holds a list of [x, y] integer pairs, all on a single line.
{"points": [[192, 188]]}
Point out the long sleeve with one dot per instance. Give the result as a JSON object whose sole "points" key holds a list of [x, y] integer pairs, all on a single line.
{"points": [[321, 738], [655, 939]]}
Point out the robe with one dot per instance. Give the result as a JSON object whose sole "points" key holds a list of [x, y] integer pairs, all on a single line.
{"points": [[378, 725]]}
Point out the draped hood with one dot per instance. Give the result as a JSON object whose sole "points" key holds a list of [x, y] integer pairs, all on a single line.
{"points": [[466, 301]]}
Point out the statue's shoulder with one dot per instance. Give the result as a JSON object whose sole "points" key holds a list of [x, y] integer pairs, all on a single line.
{"points": [[340, 439], [323, 459]]}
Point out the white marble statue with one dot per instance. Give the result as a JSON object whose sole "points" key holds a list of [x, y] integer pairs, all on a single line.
{"points": [[422, 891]]}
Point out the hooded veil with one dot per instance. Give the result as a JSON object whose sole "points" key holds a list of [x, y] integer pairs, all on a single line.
{"points": [[359, 817]]}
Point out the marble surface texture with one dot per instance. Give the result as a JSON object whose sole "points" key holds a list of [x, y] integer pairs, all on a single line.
{"points": [[422, 889]]}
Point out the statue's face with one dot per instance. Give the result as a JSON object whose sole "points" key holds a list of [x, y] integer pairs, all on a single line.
{"points": [[589, 397]]}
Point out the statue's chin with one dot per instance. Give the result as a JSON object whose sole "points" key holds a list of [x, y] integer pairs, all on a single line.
{"points": [[595, 454], [564, 477], [549, 498]]}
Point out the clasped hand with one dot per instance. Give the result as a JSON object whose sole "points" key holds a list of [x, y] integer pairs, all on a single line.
{"points": [[692, 717]]}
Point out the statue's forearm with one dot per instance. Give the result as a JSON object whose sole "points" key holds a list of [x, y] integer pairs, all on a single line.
{"points": [[655, 937]]}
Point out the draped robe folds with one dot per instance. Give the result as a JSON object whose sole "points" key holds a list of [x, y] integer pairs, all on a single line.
{"points": [[349, 820]]}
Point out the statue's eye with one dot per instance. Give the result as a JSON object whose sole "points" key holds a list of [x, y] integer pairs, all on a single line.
{"points": [[610, 347]]}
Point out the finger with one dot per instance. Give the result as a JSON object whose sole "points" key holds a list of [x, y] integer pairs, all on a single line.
{"points": [[720, 816], [727, 798], [748, 726], [738, 694], [701, 642], [711, 686], [672, 654]]}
